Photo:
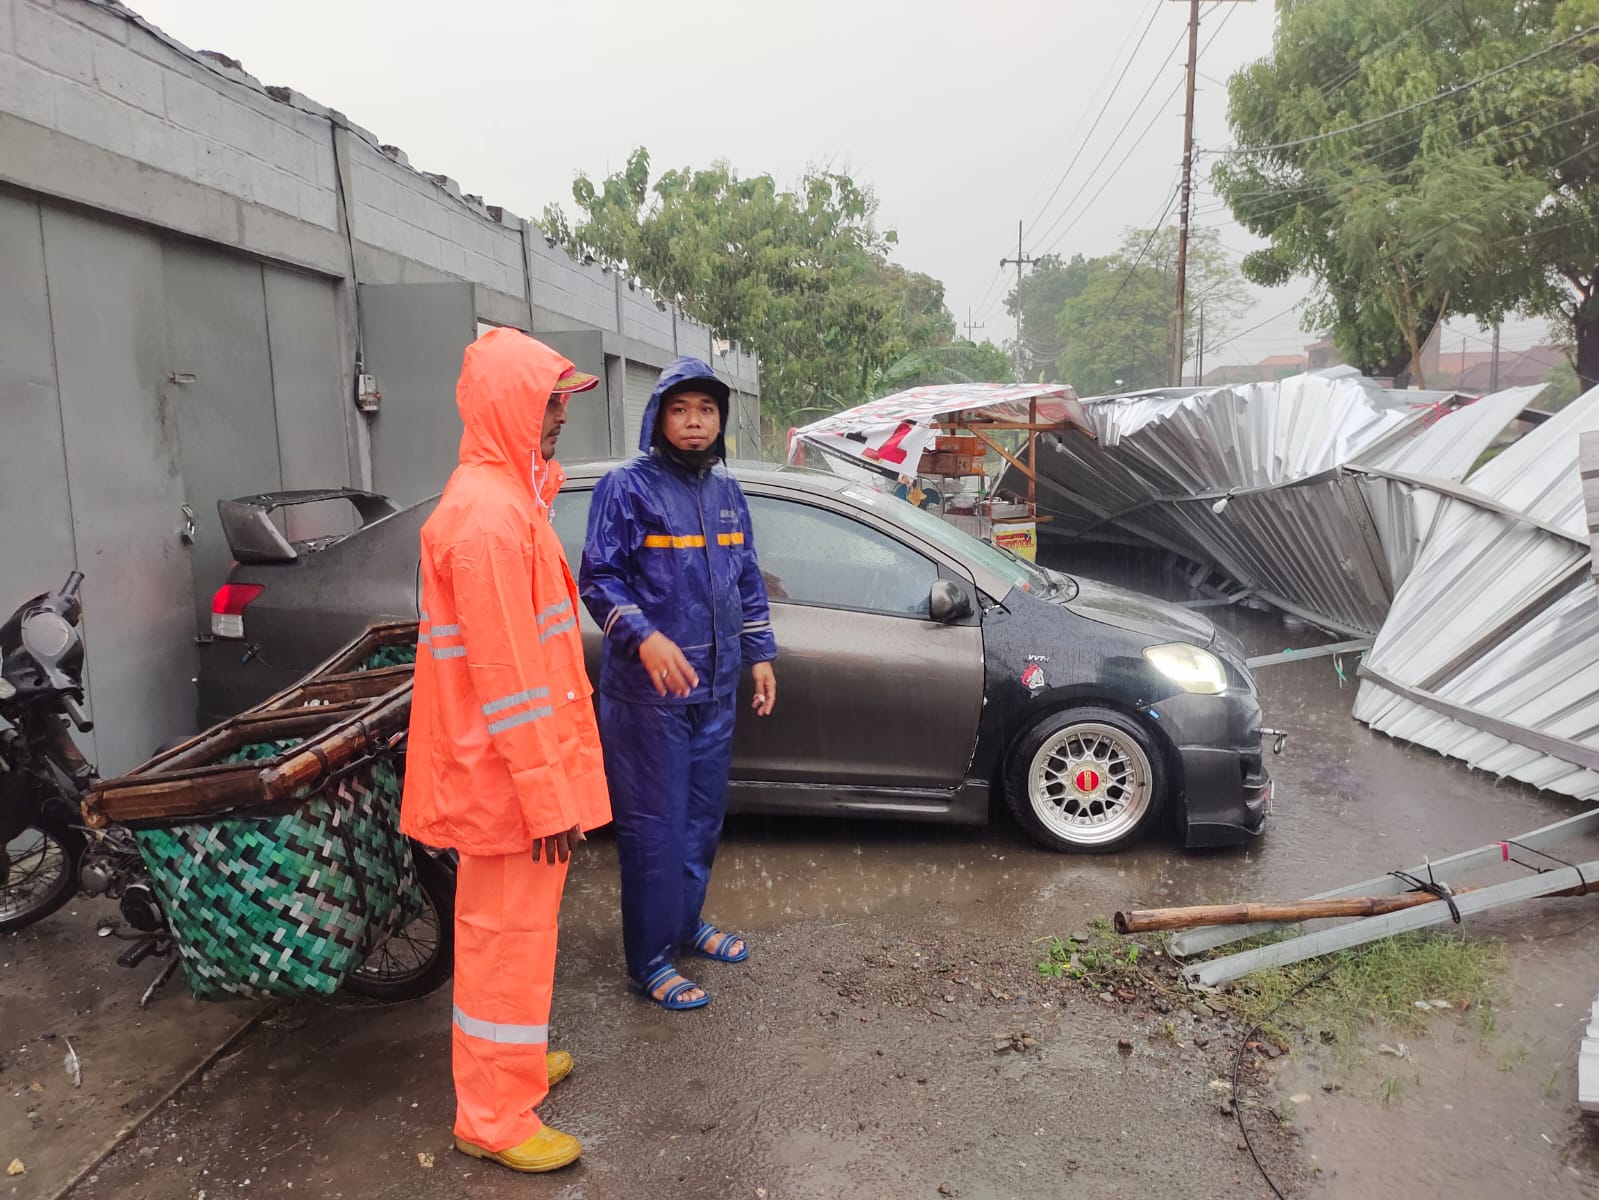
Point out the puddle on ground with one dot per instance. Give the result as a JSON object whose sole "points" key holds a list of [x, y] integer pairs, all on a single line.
{"points": [[1350, 804]]}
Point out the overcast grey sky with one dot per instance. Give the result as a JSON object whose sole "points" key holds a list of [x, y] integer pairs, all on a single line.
{"points": [[963, 116]]}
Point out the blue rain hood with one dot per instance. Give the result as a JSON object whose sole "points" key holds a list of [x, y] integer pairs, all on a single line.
{"points": [[684, 371]]}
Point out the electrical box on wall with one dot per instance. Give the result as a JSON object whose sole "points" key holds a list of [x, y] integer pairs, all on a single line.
{"points": [[367, 397]]}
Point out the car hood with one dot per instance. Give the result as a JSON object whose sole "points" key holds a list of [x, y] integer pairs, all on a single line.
{"points": [[1139, 613]]}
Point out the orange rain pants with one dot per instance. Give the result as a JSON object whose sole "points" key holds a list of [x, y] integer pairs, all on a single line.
{"points": [[504, 967]]}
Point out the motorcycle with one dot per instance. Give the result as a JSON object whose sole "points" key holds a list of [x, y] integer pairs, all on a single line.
{"points": [[48, 855]]}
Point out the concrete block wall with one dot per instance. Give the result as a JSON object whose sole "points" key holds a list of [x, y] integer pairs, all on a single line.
{"points": [[101, 108], [563, 285], [85, 70]]}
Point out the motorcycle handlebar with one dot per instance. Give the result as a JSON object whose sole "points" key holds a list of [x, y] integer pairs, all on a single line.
{"points": [[75, 711], [74, 581]]}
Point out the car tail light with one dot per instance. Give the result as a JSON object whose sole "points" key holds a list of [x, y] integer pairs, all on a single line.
{"points": [[227, 608]]}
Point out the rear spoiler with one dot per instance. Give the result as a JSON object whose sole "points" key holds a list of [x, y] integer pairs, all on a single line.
{"points": [[253, 538]]}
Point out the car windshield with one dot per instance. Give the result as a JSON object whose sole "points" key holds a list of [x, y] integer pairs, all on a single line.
{"points": [[1021, 573]]}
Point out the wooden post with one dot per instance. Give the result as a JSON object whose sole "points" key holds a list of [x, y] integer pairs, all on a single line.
{"points": [[1032, 457]]}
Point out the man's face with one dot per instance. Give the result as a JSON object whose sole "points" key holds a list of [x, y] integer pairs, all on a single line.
{"points": [[554, 419], [691, 420]]}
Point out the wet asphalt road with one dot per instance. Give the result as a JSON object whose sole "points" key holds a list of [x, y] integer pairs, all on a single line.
{"points": [[854, 1055]]}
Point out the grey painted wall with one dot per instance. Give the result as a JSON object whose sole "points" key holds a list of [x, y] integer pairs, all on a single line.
{"points": [[181, 249]]}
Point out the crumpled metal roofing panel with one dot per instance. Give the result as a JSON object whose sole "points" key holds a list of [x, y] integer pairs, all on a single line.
{"points": [[1490, 653], [1253, 478]]}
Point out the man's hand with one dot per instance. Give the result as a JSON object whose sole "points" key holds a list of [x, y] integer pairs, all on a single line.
{"points": [[559, 847], [669, 670], [765, 688]]}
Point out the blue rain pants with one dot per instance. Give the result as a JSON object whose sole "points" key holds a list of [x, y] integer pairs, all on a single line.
{"points": [[668, 769]]}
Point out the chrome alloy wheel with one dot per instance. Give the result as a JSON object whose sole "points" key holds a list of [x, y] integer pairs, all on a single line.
{"points": [[1090, 784]]}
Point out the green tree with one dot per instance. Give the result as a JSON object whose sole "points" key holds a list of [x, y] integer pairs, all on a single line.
{"points": [[802, 277], [1046, 289], [955, 362], [1564, 387], [1417, 160], [1118, 330]]}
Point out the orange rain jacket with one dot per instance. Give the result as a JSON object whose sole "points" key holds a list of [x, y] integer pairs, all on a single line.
{"points": [[503, 747]]}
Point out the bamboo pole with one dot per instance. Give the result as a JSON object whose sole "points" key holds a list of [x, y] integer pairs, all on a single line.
{"points": [[1150, 920], [1153, 919]]}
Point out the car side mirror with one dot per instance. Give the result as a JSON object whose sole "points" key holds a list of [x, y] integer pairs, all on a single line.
{"points": [[949, 602]]}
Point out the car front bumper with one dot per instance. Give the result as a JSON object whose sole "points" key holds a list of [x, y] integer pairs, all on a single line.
{"points": [[1226, 788]]}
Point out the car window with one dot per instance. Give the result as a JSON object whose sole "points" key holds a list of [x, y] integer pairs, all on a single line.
{"points": [[812, 556], [1021, 573], [569, 517]]}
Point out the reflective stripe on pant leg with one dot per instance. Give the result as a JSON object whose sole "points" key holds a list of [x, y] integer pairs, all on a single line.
{"points": [[712, 757], [505, 934], [647, 767]]}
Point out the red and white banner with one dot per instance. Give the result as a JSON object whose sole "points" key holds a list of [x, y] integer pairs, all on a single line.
{"points": [[891, 434]]}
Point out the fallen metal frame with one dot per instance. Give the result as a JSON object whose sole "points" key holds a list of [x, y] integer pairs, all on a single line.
{"points": [[1369, 929]]}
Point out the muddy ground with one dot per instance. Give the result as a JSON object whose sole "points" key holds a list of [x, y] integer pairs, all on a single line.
{"points": [[871, 1047]]}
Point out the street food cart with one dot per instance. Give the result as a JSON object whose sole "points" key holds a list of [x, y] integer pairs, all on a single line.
{"points": [[931, 446]]}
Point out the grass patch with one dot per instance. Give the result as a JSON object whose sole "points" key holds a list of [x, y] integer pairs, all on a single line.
{"points": [[1380, 983]]}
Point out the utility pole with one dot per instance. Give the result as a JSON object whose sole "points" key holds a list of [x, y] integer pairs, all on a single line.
{"points": [[1188, 191], [1493, 371], [1188, 184], [1199, 353], [1023, 260], [969, 325]]}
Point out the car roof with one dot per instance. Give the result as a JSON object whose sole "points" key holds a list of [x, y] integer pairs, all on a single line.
{"points": [[807, 479], [826, 484]]}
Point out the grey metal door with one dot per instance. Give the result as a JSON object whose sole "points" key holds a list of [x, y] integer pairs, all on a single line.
{"points": [[220, 386], [638, 383], [588, 416], [312, 390], [36, 535], [110, 341], [415, 336]]}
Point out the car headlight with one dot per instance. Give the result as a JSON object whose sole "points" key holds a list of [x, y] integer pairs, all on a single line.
{"points": [[1189, 667]]}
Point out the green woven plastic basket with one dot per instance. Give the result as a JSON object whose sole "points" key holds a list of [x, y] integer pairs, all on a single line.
{"points": [[290, 903]]}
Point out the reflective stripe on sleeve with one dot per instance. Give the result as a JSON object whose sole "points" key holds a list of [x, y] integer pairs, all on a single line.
{"points": [[505, 702], [521, 718]]}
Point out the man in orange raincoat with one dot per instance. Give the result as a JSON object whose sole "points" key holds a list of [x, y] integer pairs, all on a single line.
{"points": [[504, 759]]}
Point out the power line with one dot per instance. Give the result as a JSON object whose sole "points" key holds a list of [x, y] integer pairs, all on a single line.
{"points": [[1409, 108], [1260, 325], [1133, 146], [1338, 189], [1154, 232], [1154, 15], [1365, 60]]}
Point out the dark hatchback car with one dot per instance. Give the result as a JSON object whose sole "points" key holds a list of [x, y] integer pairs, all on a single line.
{"points": [[921, 670]]}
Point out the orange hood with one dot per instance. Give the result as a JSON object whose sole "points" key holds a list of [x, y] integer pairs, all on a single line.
{"points": [[506, 378]]}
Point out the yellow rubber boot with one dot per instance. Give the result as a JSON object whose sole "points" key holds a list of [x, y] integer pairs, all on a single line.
{"points": [[558, 1064], [547, 1150]]}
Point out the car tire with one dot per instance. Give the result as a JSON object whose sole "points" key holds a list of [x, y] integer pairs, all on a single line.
{"points": [[1086, 780], [395, 972]]}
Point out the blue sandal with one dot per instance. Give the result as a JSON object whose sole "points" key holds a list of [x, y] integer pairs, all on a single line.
{"points": [[721, 953], [670, 1000]]}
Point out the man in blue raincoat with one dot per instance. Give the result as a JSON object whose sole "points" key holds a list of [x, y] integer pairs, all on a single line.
{"points": [[670, 575]]}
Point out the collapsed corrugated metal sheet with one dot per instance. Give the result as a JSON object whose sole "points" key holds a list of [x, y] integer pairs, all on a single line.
{"points": [[1588, 1066], [1297, 489], [1490, 652]]}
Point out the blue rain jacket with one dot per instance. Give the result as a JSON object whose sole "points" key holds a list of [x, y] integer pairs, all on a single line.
{"points": [[670, 550]]}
